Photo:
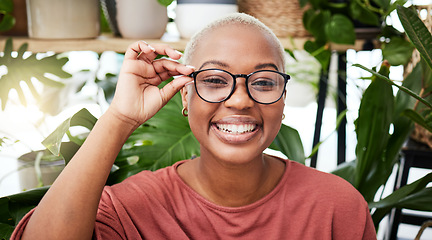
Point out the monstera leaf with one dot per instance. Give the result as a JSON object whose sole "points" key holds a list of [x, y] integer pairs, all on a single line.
{"points": [[20, 69], [163, 140]]}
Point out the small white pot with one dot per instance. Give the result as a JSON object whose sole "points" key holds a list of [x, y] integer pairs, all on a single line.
{"points": [[191, 16], [63, 19], [141, 19]]}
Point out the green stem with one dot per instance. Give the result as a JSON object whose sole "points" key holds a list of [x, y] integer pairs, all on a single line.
{"points": [[402, 88]]}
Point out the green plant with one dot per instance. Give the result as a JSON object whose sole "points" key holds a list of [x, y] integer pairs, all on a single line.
{"points": [[7, 21], [378, 150], [22, 68], [334, 22]]}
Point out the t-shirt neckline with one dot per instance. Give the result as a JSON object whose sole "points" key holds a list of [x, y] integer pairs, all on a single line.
{"points": [[244, 208]]}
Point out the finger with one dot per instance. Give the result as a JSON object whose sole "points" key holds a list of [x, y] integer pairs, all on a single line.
{"points": [[167, 68], [169, 90], [164, 49], [139, 49]]}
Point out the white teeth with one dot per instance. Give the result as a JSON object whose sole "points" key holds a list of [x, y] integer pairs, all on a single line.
{"points": [[236, 129]]}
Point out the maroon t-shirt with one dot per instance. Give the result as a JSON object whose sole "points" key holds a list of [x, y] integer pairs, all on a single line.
{"points": [[306, 204]]}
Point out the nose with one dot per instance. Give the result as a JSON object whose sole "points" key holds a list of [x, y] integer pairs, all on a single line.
{"points": [[240, 98]]}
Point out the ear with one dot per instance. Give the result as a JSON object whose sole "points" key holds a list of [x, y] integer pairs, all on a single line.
{"points": [[185, 96]]}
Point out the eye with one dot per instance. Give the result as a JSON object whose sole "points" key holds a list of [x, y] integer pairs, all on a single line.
{"points": [[263, 84], [213, 81]]}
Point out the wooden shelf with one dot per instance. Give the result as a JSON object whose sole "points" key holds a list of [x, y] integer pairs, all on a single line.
{"points": [[117, 44]]}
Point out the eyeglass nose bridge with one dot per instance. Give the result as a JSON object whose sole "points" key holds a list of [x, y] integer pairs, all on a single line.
{"points": [[235, 76]]}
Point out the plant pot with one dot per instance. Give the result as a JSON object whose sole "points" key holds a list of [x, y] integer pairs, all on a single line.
{"points": [[193, 15], [63, 19], [27, 170], [141, 18], [283, 17]]}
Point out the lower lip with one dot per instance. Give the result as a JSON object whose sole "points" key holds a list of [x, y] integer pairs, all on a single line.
{"points": [[234, 138]]}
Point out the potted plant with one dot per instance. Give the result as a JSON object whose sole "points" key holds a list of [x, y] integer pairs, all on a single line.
{"points": [[63, 19], [140, 19], [283, 17], [344, 21], [192, 15]]}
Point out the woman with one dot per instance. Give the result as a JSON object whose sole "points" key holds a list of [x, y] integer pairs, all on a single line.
{"points": [[234, 99]]}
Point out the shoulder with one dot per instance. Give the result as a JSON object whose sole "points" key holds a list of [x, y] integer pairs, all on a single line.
{"points": [[323, 186]]}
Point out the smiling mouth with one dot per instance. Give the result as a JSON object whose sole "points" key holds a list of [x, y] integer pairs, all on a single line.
{"points": [[236, 128]]}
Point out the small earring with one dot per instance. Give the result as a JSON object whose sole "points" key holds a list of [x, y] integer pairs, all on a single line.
{"points": [[283, 116], [185, 112]]}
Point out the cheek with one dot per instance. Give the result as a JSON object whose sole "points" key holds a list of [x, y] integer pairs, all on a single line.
{"points": [[273, 119], [200, 114]]}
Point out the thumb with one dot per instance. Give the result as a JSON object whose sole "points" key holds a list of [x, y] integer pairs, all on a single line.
{"points": [[169, 90]]}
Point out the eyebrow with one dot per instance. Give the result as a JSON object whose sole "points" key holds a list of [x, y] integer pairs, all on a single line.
{"points": [[213, 62], [222, 64]]}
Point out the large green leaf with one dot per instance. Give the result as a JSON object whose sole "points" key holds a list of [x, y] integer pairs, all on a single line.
{"points": [[398, 51], [363, 14], [14, 207], [163, 140], [417, 32], [82, 118], [289, 143], [320, 52], [340, 29], [373, 123], [315, 23], [20, 69], [402, 127], [412, 196], [416, 117]]}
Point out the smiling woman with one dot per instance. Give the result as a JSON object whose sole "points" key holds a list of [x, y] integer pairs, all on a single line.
{"points": [[232, 190]]}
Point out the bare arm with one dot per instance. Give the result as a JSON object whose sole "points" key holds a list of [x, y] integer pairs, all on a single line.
{"points": [[68, 210]]}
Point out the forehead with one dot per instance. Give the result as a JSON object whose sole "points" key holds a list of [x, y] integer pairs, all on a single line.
{"points": [[237, 44]]}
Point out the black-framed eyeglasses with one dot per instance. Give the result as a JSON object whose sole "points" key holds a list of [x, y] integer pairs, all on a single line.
{"points": [[217, 85]]}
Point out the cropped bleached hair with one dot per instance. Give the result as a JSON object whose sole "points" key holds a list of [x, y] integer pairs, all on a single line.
{"points": [[234, 18]]}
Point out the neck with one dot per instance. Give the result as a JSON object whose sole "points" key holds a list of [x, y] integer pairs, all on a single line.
{"points": [[234, 185]]}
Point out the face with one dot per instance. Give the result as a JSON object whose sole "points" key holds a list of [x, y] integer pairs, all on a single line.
{"points": [[238, 129]]}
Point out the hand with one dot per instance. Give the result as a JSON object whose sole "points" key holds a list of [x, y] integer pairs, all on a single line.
{"points": [[137, 97]]}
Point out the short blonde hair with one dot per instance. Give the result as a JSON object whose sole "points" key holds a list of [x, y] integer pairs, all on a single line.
{"points": [[234, 18]]}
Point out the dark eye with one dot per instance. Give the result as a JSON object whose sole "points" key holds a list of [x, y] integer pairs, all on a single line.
{"points": [[263, 84], [212, 81]]}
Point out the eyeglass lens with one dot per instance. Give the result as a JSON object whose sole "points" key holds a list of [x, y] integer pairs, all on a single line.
{"points": [[216, 85]]}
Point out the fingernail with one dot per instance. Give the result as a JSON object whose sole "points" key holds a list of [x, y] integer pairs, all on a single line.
{"points": [[189, 66], [177, 51], [144, 42], [152, 48], [189, 83]]}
